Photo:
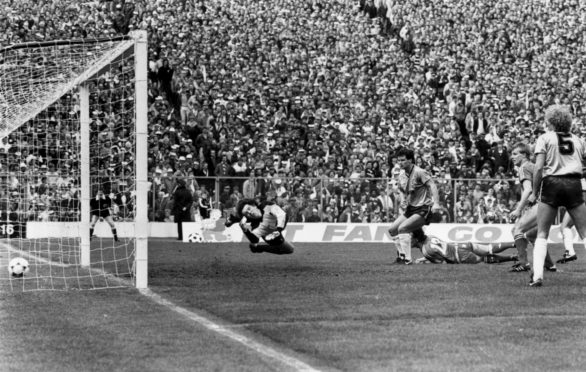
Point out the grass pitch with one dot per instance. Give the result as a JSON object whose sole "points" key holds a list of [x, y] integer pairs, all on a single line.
{"points": [[334, 306]]}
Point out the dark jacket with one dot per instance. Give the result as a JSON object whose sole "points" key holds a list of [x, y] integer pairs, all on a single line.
{"points": [[182, 198]]}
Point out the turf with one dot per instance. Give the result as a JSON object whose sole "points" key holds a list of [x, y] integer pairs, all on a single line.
{"points": [[336, 306]]}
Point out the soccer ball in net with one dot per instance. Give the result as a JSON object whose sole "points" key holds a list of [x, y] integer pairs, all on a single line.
{"points": [[195, 238], [18, 267]]}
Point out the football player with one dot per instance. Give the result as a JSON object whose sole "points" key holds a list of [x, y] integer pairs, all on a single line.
{"points": [[421, 199], [436, 250], [264, 221], [525, 215], [558, 172], [100, 209]]}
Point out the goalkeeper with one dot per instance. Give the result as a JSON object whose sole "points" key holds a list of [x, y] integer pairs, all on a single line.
{"points": [[100, 209], [264, 221]]}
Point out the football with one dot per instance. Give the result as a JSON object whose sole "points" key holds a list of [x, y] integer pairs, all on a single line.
{"points": [[18, 267], [195, 238]]}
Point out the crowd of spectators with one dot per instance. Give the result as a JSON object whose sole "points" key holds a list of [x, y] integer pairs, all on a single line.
{"points": [[305, 102]]}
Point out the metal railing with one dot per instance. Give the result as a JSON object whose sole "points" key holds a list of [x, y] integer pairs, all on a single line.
{"points": [[339, 199]]}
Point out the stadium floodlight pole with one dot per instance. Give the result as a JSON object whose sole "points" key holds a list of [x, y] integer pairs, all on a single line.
{"points": [[85, 182], [141, 157]]}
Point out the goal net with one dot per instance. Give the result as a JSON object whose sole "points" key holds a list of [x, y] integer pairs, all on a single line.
{"points": [[73, 163]]}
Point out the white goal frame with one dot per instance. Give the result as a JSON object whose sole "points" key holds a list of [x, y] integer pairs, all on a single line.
{"points": [[135, 44]]}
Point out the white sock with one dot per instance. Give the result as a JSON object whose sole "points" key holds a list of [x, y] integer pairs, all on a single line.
{"points": [[405, 243], [568, 241], [397, 243], [539, 252]]}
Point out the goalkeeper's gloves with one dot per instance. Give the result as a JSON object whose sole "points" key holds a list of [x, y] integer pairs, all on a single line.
{"points": [[243, 224]]}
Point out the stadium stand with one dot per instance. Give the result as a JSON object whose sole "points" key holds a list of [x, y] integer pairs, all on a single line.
{"points": [[306, 101]]}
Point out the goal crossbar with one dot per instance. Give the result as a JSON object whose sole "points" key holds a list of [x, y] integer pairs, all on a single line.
{"points": [[9, 122]]}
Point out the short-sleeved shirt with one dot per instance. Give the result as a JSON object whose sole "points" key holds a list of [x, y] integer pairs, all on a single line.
{"points": [[563, 153], [526, 171], [414, 186]]}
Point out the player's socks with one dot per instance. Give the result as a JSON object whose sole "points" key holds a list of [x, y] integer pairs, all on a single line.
{"points": [[405, 243], [568, 241], [521, 245], [400, 253], [539, 253], [497, 258], [549, 262], [499, 247], [115, 234], [91, 233]]}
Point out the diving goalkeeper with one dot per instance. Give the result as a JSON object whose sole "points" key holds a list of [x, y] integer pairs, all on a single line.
{"points": [[264, 221]]}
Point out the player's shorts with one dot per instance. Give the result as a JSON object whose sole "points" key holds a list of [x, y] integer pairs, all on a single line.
{"points": [[562, 191], [466, 255], [424, 211], [101, 214]]}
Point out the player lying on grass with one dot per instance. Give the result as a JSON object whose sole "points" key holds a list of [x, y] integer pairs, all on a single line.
{"points": [[436, 250], [264, 221]]}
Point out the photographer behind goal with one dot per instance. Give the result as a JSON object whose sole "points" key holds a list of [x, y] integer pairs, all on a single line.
{"points": [[264, 221]]}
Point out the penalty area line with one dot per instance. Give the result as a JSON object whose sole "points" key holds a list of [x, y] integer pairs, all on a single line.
{"points": [[258, 347]]}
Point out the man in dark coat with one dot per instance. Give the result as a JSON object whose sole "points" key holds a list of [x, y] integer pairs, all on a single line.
{"points": [[182, 201]]}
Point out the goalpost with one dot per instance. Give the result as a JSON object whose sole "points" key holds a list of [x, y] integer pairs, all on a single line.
{"points": [[73, 134]]}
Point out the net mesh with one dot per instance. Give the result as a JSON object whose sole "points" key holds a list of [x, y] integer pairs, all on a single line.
{"points": [[33, 76], [40, 161]]}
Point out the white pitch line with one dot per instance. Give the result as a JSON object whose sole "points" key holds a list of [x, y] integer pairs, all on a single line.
{"points": [[32, 257], [294, 363], [258, 347]]}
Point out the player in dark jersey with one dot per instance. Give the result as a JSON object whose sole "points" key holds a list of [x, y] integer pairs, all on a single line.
{"points": [[558, 172], [435, 250], [525, 215], [421, 198], [100, 209], [264, 221]]}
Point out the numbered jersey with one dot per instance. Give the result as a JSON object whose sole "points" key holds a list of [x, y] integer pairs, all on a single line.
{"points": [[563, 153]]}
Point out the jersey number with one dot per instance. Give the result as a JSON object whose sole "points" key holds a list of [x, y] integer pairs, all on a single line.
{"points": [[565, 144]]}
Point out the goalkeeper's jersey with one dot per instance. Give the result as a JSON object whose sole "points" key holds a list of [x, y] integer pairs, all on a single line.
{"points": [[436, 250], [273, 217]]}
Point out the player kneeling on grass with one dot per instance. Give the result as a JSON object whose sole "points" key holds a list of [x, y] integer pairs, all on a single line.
{"points": [[264, 221], [436, 250]]}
